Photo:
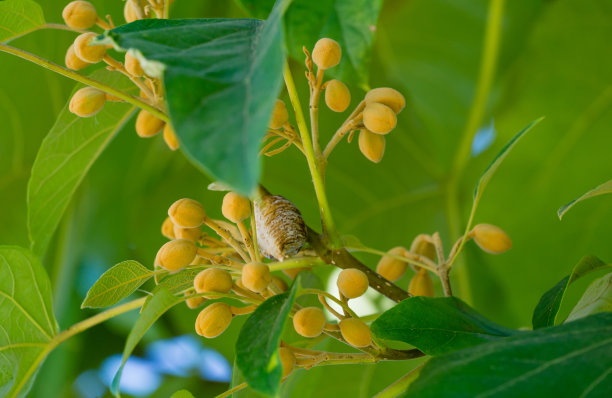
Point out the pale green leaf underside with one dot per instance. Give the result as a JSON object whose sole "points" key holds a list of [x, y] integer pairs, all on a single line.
{"points": [[18, 17], [602, 189], [596, 298]]}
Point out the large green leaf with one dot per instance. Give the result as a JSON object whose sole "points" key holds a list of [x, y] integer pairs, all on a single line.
{"points": [[604, 188], [571, 360], [18, 17], [596, 298], [221, 79], [546, 312], [117, 283], [28, 323], [437, 326], [257, 345], [65, 156]]}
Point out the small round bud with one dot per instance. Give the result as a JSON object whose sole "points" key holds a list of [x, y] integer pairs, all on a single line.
{"points": [[72, 61], [386, 96], [80, 15], [148, 125], [287, 360], [421, 284], [213, 320], [256, 277], [280, 116], [371, 145], [192, 234], [187, 213], [326, 53], [213, 280], [132, 65], [392, 268], [194, 302], [87, 53], [355, 332], [421, 245], [176, 254], [309, 321], [167, 228], [352, 282], [129, 12], [235, 208], [280, 283], [170, 137], [491, 238], [379, 118], [87, 102], [337, 96]]}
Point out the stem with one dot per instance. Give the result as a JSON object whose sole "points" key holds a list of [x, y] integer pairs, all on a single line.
{"points": [[328, 223], [331, 297], [402, 384], [227, 237], [246, 238], [314, 112], [446, 286], [254, 234], [118, 66], [85, 80], [296, 262], [232, 390], [347, 126], [414, 259]]}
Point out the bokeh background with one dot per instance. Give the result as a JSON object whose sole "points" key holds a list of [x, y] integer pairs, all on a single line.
{"points": [[555, 61]]}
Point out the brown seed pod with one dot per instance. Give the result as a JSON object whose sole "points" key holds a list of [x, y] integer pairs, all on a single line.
{"points": [[72, 61], [421, 284], [235, 208], [193, 302], [287, 360], [280, 116], [281, 231], [213, 280], [187, 213], [80, 15], [371, 145], [213, 320], [148, 125], [129, 12], [386, 96], [170, 137], [309, 321], [355, 332], [167, 228], [352, 283], [192, 234], [337, 96], [491, 238], [392, 268], [256, 277], [132, 65], [87, 102], [326, 53], [176, 254], [87, 53], [379, 118]]}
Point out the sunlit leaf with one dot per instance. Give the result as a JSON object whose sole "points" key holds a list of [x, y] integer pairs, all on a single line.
{"points": [[18, 17], [596, 298], [604, 188]]}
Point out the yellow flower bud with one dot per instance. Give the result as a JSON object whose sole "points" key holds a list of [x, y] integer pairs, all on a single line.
{"points": [[129, 12], [148, 125], [167, 228], [421, 284], [309, 322], [386, 96], [80, 15], [352, 282], [170, 137], [326, 53], [72, 61], [280, 116], [132, 65], [213, 280], [287, 360], [193, 302], [379, 118], [235, 208], [422, 246], [87, 53], [192, 234], [87, 102], [355, 332], [256, 277], [371, 145], [176, 254], [337, 96], [392, 268], [213, 320], [491, 238], [187, 213]]}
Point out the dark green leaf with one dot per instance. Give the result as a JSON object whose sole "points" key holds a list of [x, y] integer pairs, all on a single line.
{"points": [[571, 360], [596, 298], [545, 313], [257, 345], [117, 283], [604, 188], [66, 154], [221, 79], [18, 17], [437, 325], [28, 323]]}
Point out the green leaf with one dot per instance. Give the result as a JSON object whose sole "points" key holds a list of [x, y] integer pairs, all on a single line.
{"points": [[221, 80], [596, 298], [545, 313], [182, 394], [437, 325], [65, 156], [604, 188], [161, 302], [570, 360], [257, 345], [117, 283], [19, 17], [28, 323]]}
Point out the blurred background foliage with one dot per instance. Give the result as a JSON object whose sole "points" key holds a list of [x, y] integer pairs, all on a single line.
{"points": [[554, 61]]}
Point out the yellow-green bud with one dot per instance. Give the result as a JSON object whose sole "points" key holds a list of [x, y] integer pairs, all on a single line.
{"points": [[187, 213], [80, 15], [352, 282], [213, 320], [170, 137], [326, 53], [72, 61], [176, 254], [309, 322], [87, 53], [379, 118], [280, 116], [337, 96], [371, 145], [235, 208], [386, 96], [87, 102], [256, 277], [421, 284], [148, 125], [132, 65], [491, 238], [392, 268], [355, 332], [213, 280]]}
